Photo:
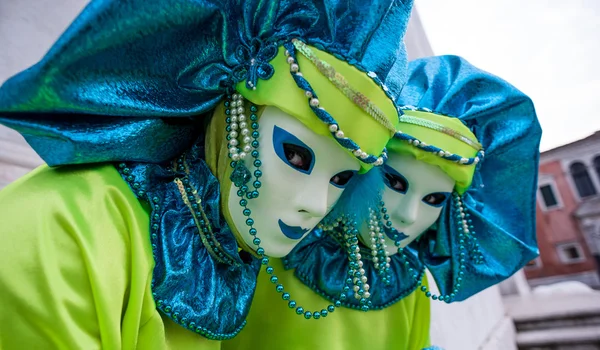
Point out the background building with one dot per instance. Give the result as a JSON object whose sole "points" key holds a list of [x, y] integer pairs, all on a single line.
{"points": [[568, 214]]}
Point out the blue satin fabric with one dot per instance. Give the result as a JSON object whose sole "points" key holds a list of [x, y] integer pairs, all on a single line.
{"points": [[321, 262], [147, 61], [60, 140], [501, 199], [188, 284]]}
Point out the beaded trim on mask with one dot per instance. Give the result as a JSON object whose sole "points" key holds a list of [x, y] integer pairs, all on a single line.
{"points": [[437, 127], [324, 116], [440, 128], [341, 84]]}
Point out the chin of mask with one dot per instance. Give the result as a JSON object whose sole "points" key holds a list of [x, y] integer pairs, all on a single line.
{"points": [[304, 174], [414, 196]]}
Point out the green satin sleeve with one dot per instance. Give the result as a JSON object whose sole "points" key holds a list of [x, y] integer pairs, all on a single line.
{"points": [[76, 266], [272, 325]]}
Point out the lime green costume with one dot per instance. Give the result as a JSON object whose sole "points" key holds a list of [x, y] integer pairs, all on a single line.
{"points": [[80, 266], [77, 244], [403, 325]]}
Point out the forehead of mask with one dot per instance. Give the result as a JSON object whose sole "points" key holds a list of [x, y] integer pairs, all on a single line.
{"points": [[291, 202], [410, 214]]}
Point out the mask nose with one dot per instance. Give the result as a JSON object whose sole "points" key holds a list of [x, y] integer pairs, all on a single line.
{"points": [[408, 211], [313, 200]]}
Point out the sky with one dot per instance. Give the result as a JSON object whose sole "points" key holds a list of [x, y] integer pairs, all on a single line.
{"points": [[549, 49]]}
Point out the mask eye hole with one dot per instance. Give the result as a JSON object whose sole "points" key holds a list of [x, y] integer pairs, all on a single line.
{"points": [[297, 156], [436, 199], [396, 182], [292, 151], [342, 179]]}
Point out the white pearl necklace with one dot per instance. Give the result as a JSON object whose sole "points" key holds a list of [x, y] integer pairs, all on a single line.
{"points": [[378, 243], [239, 121]]}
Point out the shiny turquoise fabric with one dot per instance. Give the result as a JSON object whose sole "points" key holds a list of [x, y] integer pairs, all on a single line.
{"points": [[501, 199], [160, 65], [321, 262], [188, 284]]}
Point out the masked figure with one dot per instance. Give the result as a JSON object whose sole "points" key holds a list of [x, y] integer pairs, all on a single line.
{"points": [[457, 196], [190, 143]]}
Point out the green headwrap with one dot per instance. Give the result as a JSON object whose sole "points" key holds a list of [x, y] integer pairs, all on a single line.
{"points": [[447, 133], [282, 92]]}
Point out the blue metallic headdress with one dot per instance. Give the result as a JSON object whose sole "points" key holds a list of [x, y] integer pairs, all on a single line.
{"points": [[500, 202], [498, 206], [129, 82], [126, 78]]}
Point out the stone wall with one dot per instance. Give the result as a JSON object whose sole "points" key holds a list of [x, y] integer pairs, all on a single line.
{"points": [[479, 323], [16, 157]]}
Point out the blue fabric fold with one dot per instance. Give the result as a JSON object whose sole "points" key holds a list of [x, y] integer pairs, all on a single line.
{"points": [[144, 62], [207, 293], [501, 199]]}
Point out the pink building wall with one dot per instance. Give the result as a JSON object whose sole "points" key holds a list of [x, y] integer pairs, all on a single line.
{"points": [[558, 226]]}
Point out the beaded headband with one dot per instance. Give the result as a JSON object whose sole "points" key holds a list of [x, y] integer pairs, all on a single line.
{"points": [[341, 84], [324, 116], [439, 128]]}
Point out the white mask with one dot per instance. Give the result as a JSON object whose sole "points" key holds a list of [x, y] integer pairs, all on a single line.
{"points": [[303, 176], [414, 196]]}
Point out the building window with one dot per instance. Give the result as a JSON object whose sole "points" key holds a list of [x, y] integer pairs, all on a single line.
{"points": [[534, 264], [548, 196], [583, 181], [570, 253], [597, 166]]}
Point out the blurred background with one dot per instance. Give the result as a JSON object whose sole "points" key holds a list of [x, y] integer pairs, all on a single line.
{"points": [[549, 49]]}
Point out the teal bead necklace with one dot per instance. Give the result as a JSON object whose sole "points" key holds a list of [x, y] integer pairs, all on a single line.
{"points": [[348, 238], [241, 143], [378, 219]]}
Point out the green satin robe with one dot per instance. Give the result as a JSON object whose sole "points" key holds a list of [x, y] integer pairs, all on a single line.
{"points": [[76, 267]]}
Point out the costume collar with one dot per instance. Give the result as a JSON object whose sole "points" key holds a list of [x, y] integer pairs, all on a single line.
{"points": [[199, 279], [321, 263]]}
